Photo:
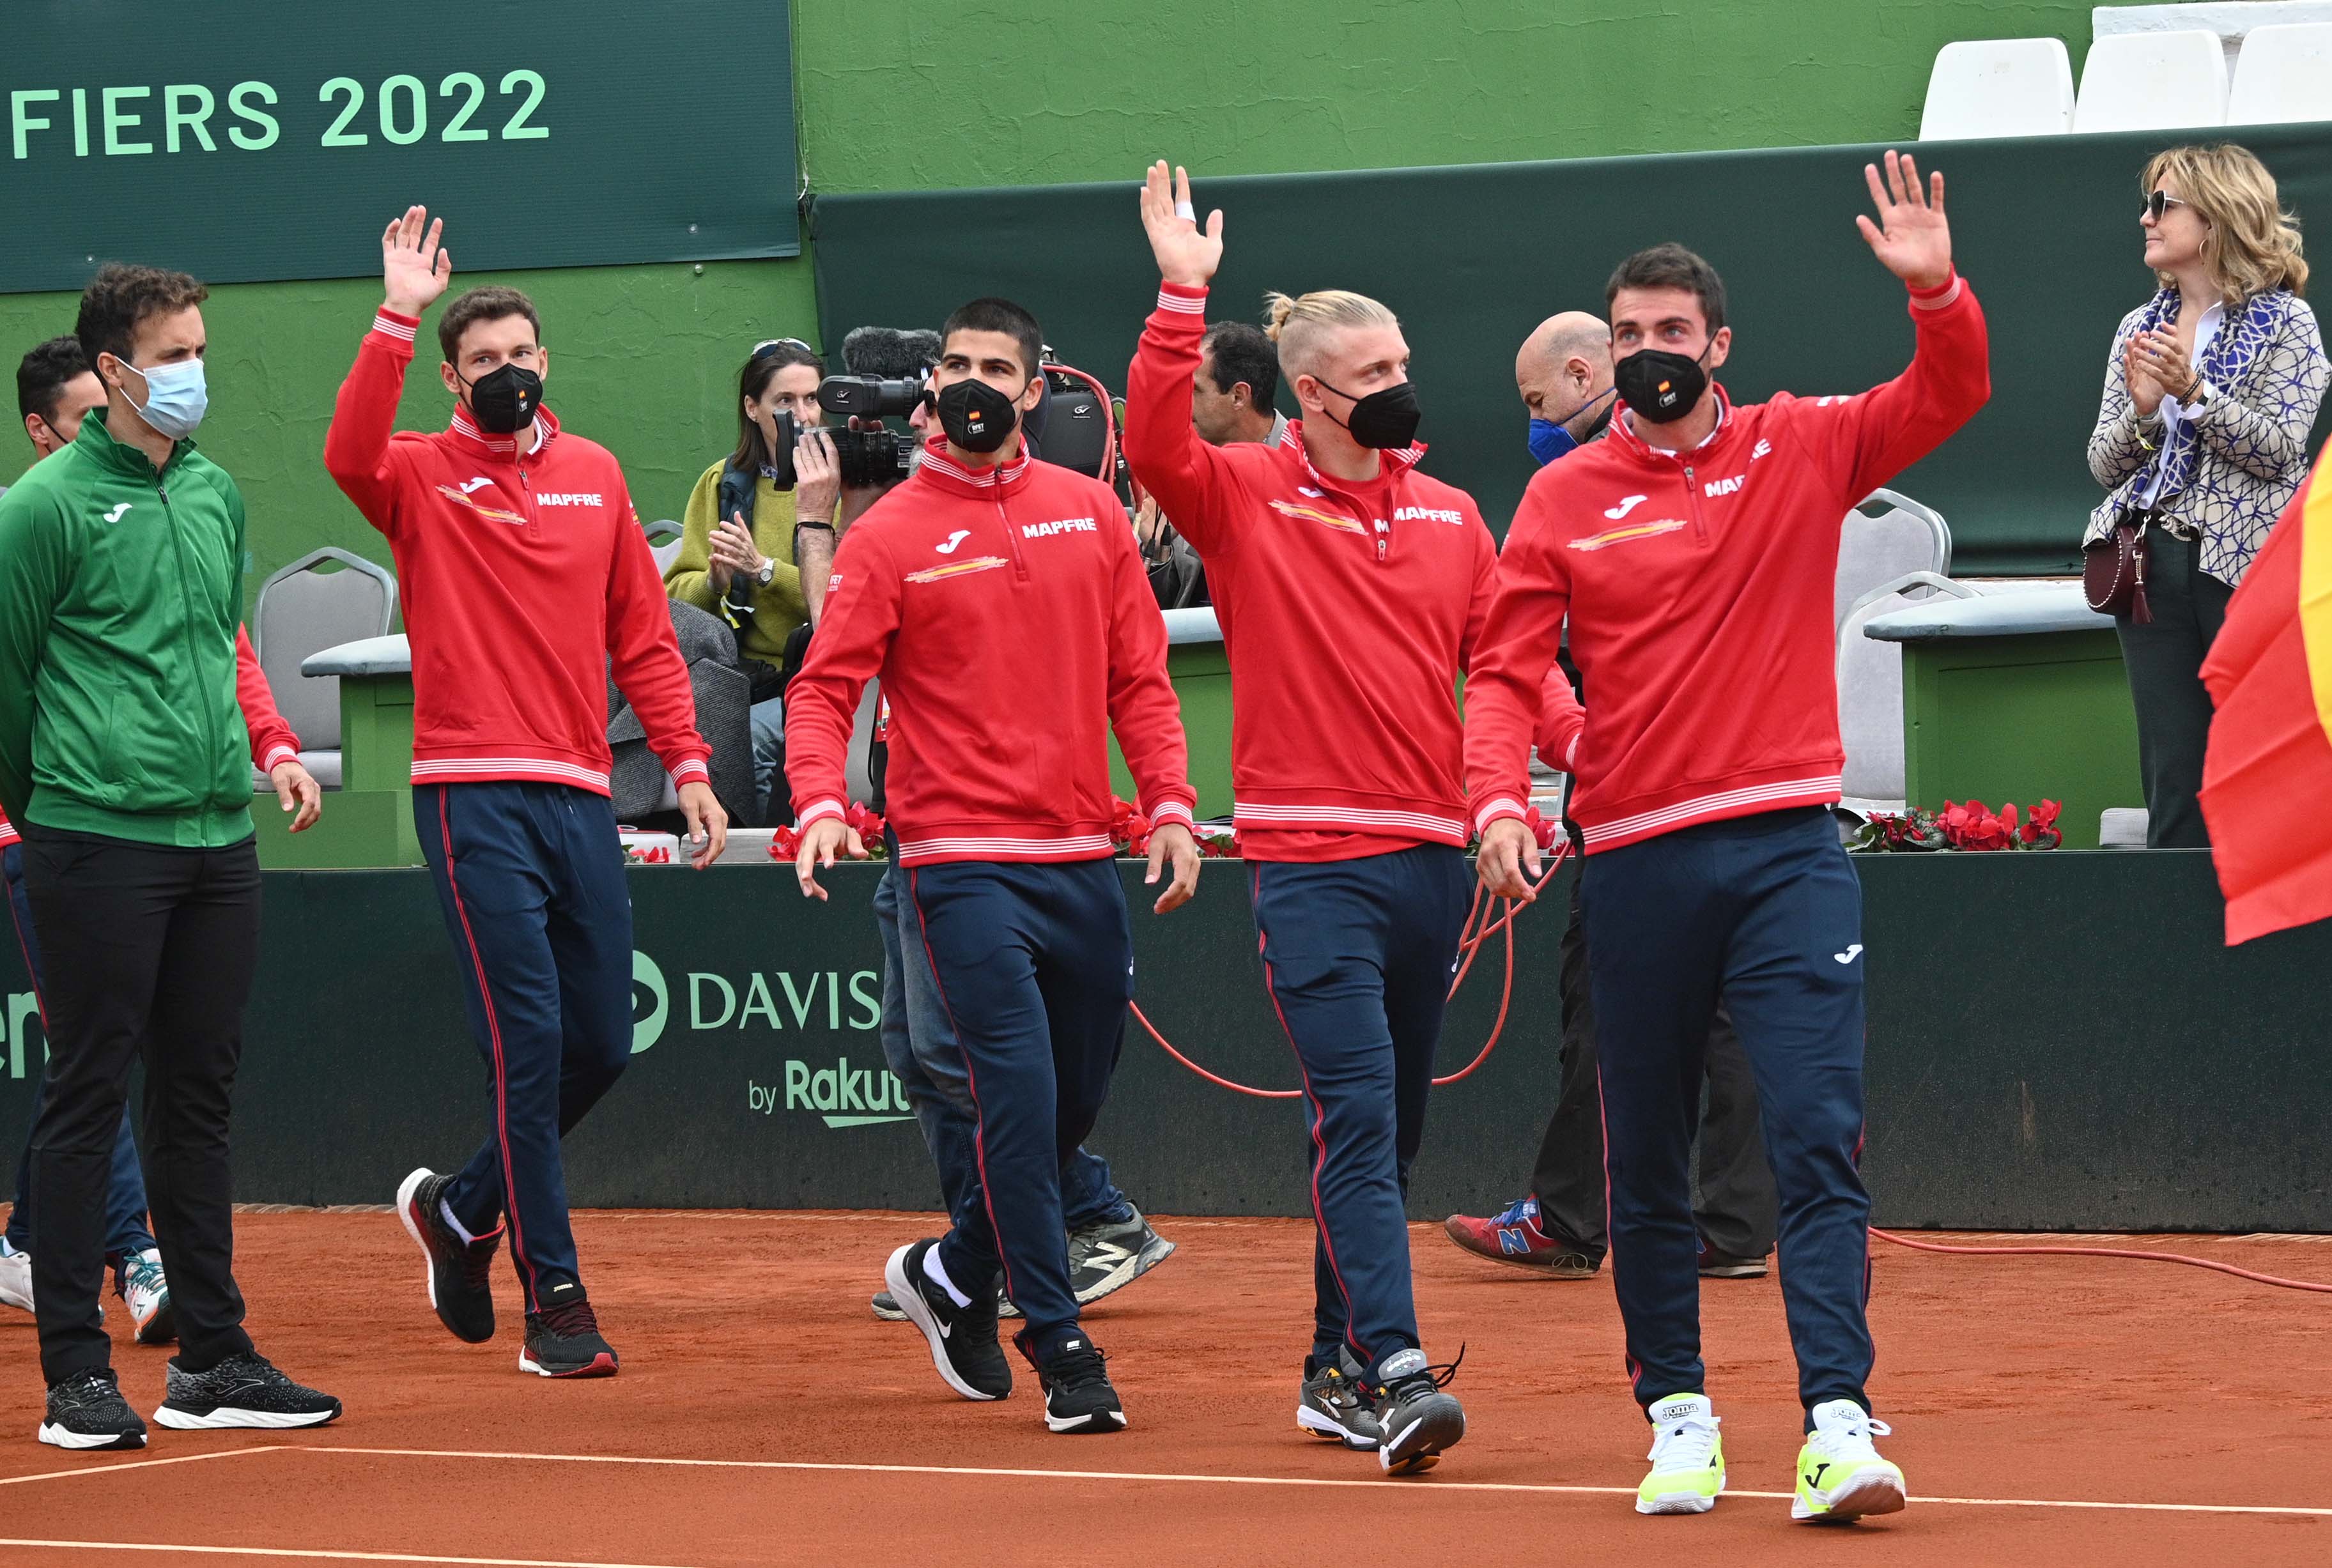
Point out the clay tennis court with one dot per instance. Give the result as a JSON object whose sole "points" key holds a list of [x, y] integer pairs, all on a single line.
{"points": [[2055, 1411]]}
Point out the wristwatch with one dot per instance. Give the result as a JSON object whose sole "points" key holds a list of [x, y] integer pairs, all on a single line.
{"points": [[769, 571]]}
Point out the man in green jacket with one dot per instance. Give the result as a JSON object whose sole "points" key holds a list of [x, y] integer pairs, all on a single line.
{"points": [[124, 764]]}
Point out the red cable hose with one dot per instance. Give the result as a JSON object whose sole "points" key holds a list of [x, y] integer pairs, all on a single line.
{"points": [[1469, 943], [2103, 1252]]}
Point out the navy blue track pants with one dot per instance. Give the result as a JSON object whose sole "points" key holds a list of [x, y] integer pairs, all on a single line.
{"points": [[1765, 912], [530, 877], [1358, 955], [1034, 965]]}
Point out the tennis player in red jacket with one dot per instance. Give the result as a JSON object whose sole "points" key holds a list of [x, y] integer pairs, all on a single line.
{"points": [[1694, 550], [1349, 587], [1004, 605], [525, 576]]}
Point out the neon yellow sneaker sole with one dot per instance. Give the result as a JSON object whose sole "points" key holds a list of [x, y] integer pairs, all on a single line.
{"points": [[1830, 1492], [1693, 1491]]}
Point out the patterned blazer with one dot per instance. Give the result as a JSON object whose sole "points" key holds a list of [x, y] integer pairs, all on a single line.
{"points": [[2249, 444]]}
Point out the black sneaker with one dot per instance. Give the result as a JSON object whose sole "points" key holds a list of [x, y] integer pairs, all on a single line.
{"points": [[1113, 1255], [1417, 1420], [1075, 1378], [563, 1339], [1332, 1405], [962, 1338], [87, 1412], [458, 1269], [246, 1390]]}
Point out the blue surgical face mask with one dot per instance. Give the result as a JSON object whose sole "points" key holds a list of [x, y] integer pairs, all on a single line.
{"points": [[175, 397], [1549, 441], [1552, 438]]}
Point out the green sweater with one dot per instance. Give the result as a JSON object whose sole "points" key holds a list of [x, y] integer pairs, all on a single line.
{"points": [[778, 608], [121, 590]]}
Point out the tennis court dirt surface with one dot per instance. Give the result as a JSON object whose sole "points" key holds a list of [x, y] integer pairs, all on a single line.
{"points": [[813, 1433]]}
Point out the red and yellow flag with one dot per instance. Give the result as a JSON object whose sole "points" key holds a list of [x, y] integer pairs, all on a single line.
{"points": [[2267, 779]]}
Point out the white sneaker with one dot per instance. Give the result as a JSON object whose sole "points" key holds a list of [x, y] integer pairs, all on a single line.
{"points": [[1841, 1475], [17, 1279], [148, 1294], [1687, 1457]]}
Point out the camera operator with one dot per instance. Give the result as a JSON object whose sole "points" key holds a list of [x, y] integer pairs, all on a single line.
{"points": [[881, 353]]}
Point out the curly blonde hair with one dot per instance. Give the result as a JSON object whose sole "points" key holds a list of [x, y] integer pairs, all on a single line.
{"points": [[1301, 326], [2251, 245]]}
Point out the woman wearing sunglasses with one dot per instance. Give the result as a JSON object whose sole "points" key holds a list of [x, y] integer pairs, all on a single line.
{"points": [[736, 553], [2202, 440]]}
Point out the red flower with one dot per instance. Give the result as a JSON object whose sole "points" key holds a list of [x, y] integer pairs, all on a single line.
{"points": [[785, 844], [1543, 830]]}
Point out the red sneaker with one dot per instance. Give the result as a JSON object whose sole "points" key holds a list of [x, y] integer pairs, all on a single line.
{"points": [[1515, 1237]]}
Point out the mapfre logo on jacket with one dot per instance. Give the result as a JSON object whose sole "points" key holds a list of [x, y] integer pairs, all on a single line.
{"points": [[569, 498]]}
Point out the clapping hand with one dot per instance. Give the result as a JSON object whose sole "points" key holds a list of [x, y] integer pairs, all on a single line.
{"points": [[2169, 367], [1911, 239], [733, 553], [414, 271], [1186, 254], [2137, 371]]}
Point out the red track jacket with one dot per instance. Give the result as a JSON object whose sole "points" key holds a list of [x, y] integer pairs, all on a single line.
{"points": [[522, 576], [1348, 611], [1699, 588], [1008, 615], [272, 740]]}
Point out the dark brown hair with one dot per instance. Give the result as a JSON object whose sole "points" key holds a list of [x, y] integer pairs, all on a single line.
{"points": [[490, 303], [1671, 266], [120, 296], [752, 454]]}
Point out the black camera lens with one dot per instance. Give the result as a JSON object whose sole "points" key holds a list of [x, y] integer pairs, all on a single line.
{"points": [[781, 454], [867, 457], [869, 397]]}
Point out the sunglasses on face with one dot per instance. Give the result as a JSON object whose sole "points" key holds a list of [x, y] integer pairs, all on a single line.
{"points": [[2159, 203], [768, 345]]}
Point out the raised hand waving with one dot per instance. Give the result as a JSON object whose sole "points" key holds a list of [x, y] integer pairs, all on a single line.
{"points": [[1186, 254], [1911, 239], [413, 269]]}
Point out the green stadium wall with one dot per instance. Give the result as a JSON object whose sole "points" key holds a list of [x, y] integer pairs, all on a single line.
{"points": [[910, 98]]}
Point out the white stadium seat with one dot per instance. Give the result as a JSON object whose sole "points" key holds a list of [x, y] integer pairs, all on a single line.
{"points": [[1999, 87], [2153, 81], [2284, 73]]}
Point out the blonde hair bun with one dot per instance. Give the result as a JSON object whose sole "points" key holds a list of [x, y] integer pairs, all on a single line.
{"points": [[1302, 324]]}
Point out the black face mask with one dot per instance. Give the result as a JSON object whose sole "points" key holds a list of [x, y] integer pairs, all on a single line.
{"points": [[1659, 385], [976, 416], [505, 399], [1385, 419]]}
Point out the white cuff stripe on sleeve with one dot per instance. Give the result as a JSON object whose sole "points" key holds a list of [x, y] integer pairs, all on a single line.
{"points": [[277, 755], [1504, 806], [821, 810], [1175, 810], [1938, 303], [398, 329], [693, 768], [1182, 303]]}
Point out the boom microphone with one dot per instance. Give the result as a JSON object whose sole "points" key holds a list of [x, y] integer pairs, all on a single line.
{"points": [[890, 353]]}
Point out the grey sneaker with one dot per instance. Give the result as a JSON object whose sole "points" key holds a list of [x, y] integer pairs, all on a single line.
{"points": [[1415, 1419], [1332, 1405], [246, 1390], [1109, 1257]]}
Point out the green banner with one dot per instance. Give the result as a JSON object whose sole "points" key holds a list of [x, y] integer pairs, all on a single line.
{"points": [[256, 140]]}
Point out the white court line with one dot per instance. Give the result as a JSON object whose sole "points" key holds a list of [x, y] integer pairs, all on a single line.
{"points": [[320, 1555], [1380, 1485], [137, 1465]]}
